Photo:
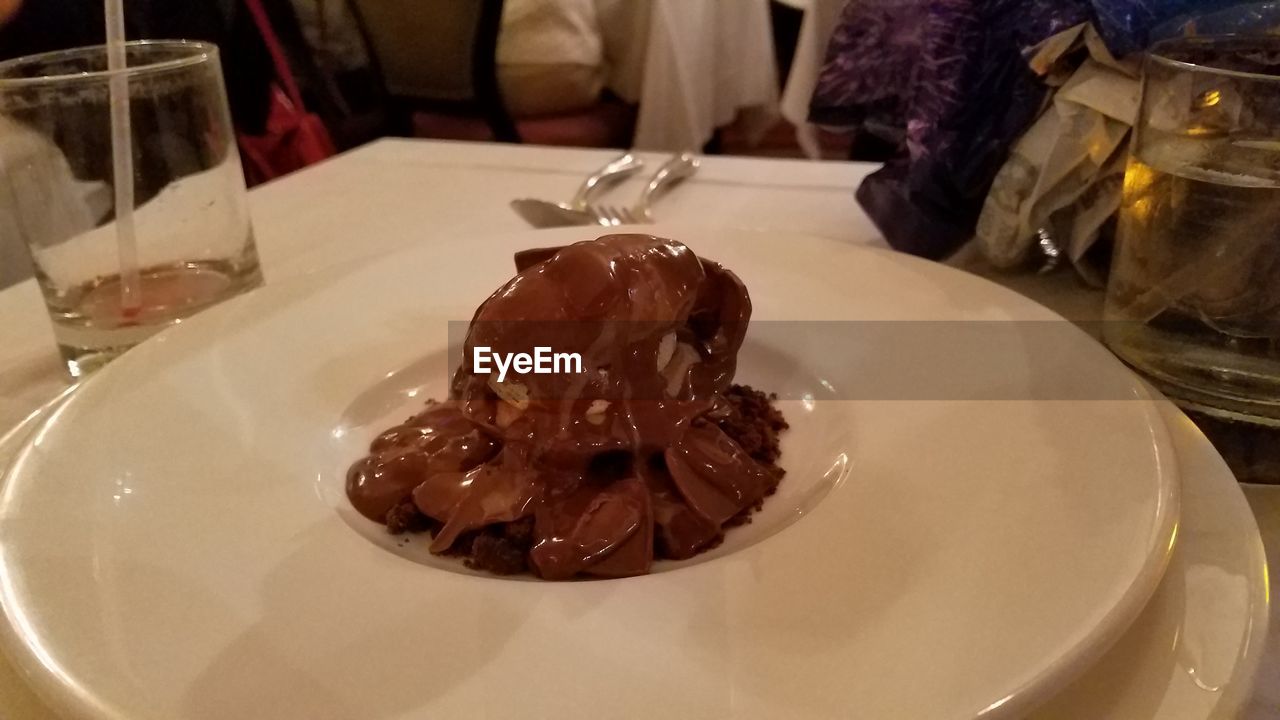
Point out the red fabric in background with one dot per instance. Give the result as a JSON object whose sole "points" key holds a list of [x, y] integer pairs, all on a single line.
{"points": [[294, 138]]}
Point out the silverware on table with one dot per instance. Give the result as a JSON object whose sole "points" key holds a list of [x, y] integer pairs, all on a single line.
{"points": [[581, 211], [543, 214], [621, 168], [673, 172]]}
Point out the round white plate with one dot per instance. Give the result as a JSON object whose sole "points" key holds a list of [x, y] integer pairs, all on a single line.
{"points": [[176, 544], [1192, 654]]}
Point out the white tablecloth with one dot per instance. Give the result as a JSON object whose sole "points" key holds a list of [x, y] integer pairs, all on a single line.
{"points": [[400, 192], [692, 65], [820, 20]]}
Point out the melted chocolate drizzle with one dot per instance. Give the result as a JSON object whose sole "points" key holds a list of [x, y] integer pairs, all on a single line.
{"points": [[609, 463]]}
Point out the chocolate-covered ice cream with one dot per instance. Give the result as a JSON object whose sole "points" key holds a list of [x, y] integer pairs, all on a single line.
{"points": [[636, 453]]}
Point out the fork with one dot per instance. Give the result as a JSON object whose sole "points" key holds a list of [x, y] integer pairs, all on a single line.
{"points": [[620, 168], [676, 170], [610, 215]]}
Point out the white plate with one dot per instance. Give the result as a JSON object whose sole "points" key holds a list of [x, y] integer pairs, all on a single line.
{"points": [[1192, 654], [1194, 651], [175, 543]]}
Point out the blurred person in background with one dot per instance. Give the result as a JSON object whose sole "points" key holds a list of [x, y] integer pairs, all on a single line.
{"points": [[550, 57]]}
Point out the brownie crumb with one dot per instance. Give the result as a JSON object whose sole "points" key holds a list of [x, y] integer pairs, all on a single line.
{"points": [[754, 423], [520, 532], [497, 555], [744, 516], [406, 517], [502, 549]]}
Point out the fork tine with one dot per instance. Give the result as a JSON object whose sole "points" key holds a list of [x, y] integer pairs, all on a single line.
{"points": [[599, 212]]}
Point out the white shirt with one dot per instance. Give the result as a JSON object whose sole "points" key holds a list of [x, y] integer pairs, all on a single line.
{"points": [[554, 32]]}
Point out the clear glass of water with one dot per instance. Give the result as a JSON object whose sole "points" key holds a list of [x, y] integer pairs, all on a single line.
{"points": [[1194, 295], [194, 240]]}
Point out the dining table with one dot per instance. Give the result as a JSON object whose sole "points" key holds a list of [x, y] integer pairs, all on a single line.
{"points": [[397, 193]]}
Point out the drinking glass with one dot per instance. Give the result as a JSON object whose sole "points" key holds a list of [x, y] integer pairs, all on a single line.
{"points": [[1193, 299], [194, 241]]}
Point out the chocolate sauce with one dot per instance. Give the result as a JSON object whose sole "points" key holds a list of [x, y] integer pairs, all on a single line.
{"points": [[438, 440], [611, 462]]}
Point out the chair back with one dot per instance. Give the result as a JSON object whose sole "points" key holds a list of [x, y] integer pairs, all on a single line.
{"points": [[438, 53], [428, 49]]}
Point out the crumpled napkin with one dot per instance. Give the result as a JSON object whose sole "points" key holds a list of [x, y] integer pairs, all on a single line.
{"points": [[1058, 192], [1061, 183]]}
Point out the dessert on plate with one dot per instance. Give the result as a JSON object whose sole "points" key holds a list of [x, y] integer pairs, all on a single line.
{"points": [[593, 425]]}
